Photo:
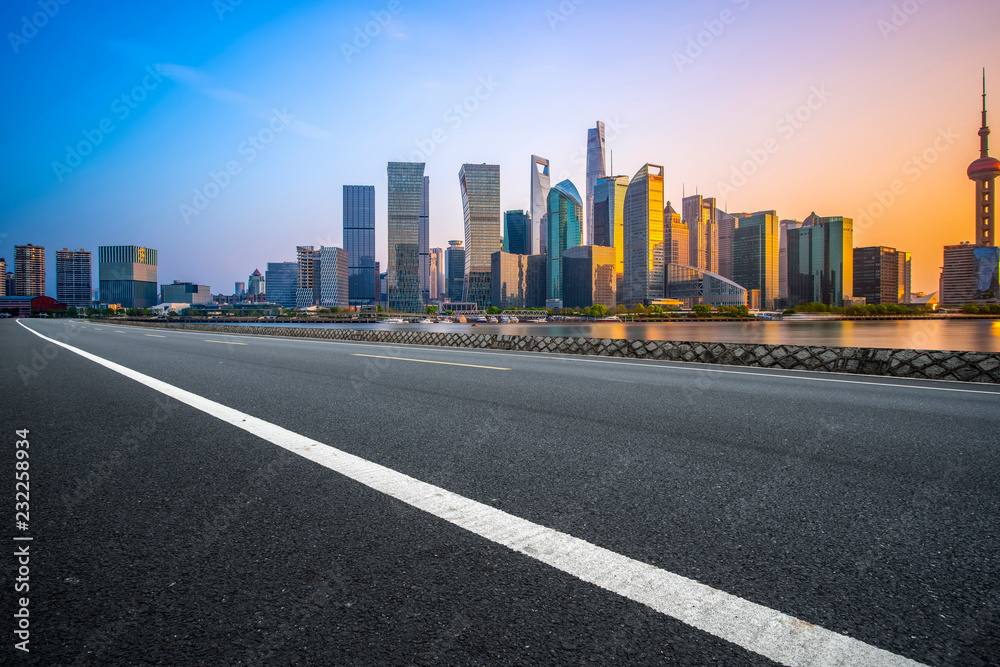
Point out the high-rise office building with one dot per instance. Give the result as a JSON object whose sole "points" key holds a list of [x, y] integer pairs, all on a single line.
{"points": [[455, 270], [518, 281], [73, 278], [11, 283], [565, 231], [441, 285], [3, 277], [480, 185], [127, 275], [755, 256], [700, 216], [595, 170], [29, 270], [240, 289], [307, 293], [644, 247], [425, 241], [405, 193], [359, 241], [881, 275], [590, 277], [334, 284], [984, 172], [676, 243], [728, 223], [821, 261], [609, 220], [783, 228], [436, 257], [282, 281], [257, 285], [539, 203], [969, 275], [905, 293], [517, 232]]}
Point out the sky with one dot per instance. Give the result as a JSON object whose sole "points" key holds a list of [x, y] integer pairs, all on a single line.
{"points": [[222, 132]]}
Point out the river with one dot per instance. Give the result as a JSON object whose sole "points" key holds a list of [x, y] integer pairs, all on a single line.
{"points": [[973, 335]]}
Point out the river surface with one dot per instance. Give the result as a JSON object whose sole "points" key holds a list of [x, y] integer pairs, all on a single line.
{"points": [[968, 335]]}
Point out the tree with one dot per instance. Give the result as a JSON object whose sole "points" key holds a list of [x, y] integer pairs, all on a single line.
{"points": [[599, 310], [970, 309], [702, 309], [431, 310], [492, 310]]}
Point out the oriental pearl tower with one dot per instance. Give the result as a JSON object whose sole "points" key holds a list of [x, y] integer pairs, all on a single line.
{"points": [[984, 172]]}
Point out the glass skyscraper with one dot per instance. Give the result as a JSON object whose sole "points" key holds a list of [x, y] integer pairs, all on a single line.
{"points": [[73, 278], [455, 271], [595, 170], [755, 255], [29, 271], [539, 203], [517, 233], [359, 241], [425, 241], [333, 277], [703, 232], [609, 219], [565, 229], [644, 249], [821, 260], [480, 185], [282, 281], [406, 186], [127, 276]]}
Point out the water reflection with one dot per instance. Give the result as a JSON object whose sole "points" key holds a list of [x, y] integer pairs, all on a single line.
{"points": [[971, 335]]}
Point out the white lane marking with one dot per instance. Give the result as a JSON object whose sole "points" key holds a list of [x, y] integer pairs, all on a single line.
{"points": [[428, 361], [641, 363], [224, 342], [780, 637]]}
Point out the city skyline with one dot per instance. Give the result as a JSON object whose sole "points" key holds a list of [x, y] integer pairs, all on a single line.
{"points": [[132, 185]]}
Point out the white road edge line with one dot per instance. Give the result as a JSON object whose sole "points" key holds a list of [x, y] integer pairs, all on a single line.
{"points": [[694, 366], [770, 633]]}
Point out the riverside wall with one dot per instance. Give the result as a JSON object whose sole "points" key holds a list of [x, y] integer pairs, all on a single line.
{"points": [[902, 363]]}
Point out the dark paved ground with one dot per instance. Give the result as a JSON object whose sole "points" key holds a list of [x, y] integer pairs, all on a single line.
{"points": [[869, 507]]}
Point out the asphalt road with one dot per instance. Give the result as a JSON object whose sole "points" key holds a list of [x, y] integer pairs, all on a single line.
{"points": [[162, 534]]}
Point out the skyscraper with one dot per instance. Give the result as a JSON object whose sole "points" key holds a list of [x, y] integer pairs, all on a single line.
{"points": [[307, 293], [359, 241], [984, 172], [676, 242], [728, 224], [127, 275], [405, 193], [240, 289], [256, 282], [518, 281], [425, 241], [565, 229], [480, 185], [282, 279], [783, 228], [437, 257], [821, 261], [700, 215], [29, 270], [589, 277], [455, 270], [595, 170], [3, 277], [644, 251], [73, 276], [539, 203], [609, 220], [333, 277], [880, 275], [755, 256], [517, 233]]}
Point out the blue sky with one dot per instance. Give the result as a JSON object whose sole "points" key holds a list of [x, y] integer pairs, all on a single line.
{"points": [[168, 95]]}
